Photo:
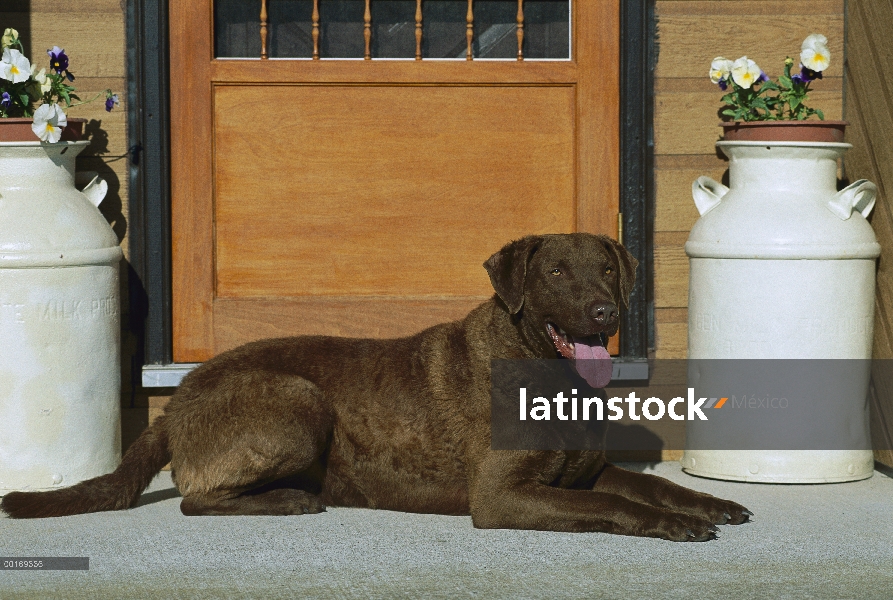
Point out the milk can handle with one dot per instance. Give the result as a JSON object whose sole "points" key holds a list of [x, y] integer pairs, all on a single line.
{"points": [[96, 187], [858, 196], [707, 193]]}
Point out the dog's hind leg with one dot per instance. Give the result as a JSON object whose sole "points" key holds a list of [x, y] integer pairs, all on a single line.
{"points": [[282, 501], [234, 442]]}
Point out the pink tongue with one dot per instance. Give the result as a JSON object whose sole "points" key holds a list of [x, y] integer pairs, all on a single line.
{"points": [[593, 363]]}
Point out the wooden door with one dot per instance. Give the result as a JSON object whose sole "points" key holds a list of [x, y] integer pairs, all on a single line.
{"points": [[361, 197]]}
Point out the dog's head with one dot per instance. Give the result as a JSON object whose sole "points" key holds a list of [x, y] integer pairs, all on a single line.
{"points": [[565, 292]]}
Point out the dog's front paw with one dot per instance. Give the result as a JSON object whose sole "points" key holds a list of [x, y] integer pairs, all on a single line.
{"points": [[681, 527], [716, 510], [733, 514]]}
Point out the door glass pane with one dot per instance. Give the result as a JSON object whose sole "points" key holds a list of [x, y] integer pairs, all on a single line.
{"points": [[393, 29], [547, 29], [341, 25], [341, 28], [290, 25], [236, 29], [495, 29]]}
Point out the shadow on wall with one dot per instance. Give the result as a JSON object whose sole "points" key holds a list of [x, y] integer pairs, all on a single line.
{"points": [[96, 158], [93, 159]]}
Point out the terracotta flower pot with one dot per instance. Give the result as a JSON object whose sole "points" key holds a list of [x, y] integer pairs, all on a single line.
{"points": [[784, 131], [18, 129]]}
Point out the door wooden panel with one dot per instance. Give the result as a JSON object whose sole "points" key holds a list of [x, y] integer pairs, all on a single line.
{"points": [[362, 197], [363, 193], [333, 315]]}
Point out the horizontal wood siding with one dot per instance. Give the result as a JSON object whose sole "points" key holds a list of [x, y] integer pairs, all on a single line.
{"points": [[690, 35], [869, 110], [92, 32]]}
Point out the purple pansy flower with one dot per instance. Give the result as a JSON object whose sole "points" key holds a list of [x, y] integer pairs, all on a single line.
{"points": [[5, 100], [723, 84], [763, 77], [806, 75], [59, 62], [111, 101], [58, 59]]}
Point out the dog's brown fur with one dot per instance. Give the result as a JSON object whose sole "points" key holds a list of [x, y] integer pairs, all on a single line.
{"points": [[287, 426]]}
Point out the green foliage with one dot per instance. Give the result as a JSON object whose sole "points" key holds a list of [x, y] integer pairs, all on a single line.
{"points": [[750, 104], [39, 88], [767, 100], [793, 91]]}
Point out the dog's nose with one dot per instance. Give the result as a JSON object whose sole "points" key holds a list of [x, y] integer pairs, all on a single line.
{"points": [[604, 313]]}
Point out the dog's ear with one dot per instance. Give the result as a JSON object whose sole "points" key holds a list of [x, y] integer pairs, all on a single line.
{"points": [[508, 269], [626, 264]]}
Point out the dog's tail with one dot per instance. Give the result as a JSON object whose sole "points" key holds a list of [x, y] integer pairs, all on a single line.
{"points": [[115, 491]]}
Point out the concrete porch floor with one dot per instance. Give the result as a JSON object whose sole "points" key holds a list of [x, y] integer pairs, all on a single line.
{"points": [[814, 541]]}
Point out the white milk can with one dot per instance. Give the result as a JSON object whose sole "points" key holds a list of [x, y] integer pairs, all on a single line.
{"points": [[59, 322], [783, 267]]}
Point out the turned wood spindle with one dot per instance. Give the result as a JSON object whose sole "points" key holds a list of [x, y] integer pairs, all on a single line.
{"points": [[469, 30], [418, 29], [315, 31], [367, 31], [263, 29], [520, 29]]}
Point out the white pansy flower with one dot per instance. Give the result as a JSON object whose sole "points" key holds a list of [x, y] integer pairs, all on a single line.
{"points": [[41, 78], [49, 121], [720, 69], [14, 66], [8, 37], [814, 53], [745, 72]]}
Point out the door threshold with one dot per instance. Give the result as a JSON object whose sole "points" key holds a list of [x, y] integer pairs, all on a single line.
{"points": [[156, 376], [170, 375]]}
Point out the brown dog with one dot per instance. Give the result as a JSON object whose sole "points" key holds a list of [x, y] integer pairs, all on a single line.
{"points": [[286, 426]]}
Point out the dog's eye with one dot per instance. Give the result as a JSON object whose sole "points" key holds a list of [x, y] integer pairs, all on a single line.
{"points": [[608, 270], [555, 271]]}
